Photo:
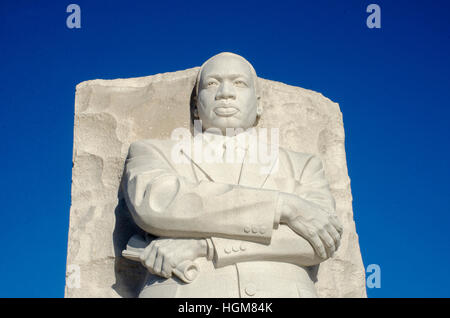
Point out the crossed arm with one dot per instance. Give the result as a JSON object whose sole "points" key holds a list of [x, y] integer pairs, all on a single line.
{"points": [[239, 223]]}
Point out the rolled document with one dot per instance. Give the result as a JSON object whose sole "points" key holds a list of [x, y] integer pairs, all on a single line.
{"points": [[187, 271]]}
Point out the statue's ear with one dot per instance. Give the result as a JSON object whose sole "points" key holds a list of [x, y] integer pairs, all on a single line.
{"points": [[259, 108], [195, 107], [195, 111]]}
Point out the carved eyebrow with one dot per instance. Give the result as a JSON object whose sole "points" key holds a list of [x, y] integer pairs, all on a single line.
{"points": [[232, 76]]}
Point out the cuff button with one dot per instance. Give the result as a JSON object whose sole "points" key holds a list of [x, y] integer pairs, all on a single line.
{"points": [[250, 290], [262, 230]]}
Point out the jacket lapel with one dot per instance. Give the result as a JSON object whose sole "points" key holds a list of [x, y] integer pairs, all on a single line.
{"points": [[241, 166]]}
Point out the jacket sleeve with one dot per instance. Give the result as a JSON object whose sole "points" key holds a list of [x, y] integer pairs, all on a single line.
{"points": [[286, 245], [314, 187], [165, 204]]}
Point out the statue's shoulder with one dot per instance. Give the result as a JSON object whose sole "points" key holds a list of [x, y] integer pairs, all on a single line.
{"points": [[301, 160], [145, 145], [154, 142], [296, 155]]}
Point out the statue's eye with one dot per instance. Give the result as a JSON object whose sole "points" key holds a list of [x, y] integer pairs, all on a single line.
{"points": [[212, 83], [240, 83]]}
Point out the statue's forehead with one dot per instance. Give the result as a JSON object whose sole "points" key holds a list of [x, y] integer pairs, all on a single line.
{"points": [[225, 65]]}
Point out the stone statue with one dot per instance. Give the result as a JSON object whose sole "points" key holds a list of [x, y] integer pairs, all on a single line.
{"points": [[226, 227]]}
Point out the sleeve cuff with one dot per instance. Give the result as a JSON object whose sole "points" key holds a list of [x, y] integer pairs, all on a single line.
{"points": [[210, 251], [278, 207]]}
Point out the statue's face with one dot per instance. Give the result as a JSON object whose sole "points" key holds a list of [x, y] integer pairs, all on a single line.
{"points": [[227, 94]]}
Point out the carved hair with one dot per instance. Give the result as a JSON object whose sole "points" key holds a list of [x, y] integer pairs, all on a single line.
{"points": [[252, 70], [197, 82]]}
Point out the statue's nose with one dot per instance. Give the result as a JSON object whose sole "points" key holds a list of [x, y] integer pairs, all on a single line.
{"points": [[226, 91]]}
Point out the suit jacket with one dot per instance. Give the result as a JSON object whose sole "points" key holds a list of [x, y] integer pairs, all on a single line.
{"points": [[234, 206]]}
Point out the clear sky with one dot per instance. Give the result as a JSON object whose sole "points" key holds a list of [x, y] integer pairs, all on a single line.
{"points": [[392, 85]]}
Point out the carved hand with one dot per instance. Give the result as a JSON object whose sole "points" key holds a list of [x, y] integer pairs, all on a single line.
{"points": [[163, 255], [321, 228]]}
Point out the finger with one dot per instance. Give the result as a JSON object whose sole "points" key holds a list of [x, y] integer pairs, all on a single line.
{"points": [[158, 263], [328, 242], [165, 242], [299, 228], [311, 236], [167, 266], [336, 223], [146, 252], [317, 244], [334, 234], [162, 258], [150, 260]]}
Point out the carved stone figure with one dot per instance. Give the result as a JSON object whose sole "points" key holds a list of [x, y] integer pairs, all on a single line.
{"points": [[228, 228], [105, 245]]}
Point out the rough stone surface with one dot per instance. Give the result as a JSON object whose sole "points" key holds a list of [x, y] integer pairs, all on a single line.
{"points": [[111, 114]]}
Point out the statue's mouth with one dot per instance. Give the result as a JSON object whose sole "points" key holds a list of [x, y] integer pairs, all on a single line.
{"points": [[225, 111]]}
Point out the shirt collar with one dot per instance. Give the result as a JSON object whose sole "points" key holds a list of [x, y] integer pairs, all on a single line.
{"points": [[241, 140]]}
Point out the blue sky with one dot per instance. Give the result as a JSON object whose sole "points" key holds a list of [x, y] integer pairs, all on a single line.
{"points": [[392, 85]]}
